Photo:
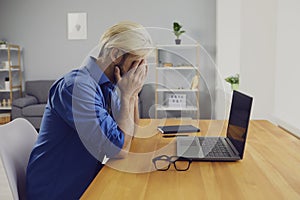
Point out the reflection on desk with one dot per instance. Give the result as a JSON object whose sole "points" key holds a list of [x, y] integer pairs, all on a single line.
{"points": [[269, 170]]}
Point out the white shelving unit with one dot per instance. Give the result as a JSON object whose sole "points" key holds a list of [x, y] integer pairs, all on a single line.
{"points": [[10, 60], [176, 66]]}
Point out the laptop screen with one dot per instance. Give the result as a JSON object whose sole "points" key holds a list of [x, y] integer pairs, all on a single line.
{"points": [[239, 120]]}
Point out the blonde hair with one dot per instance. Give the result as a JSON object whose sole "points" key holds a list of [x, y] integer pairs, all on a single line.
{"points": [[128, 36]]}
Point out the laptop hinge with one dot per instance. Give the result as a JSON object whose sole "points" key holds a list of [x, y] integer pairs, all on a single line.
{"points": [[232, 147]]}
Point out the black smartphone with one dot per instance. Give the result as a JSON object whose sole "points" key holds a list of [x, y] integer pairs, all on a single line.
{"points": [[178, 129]]}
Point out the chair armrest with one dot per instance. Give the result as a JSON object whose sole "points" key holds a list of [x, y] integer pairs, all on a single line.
{"points": [[24, 101]]}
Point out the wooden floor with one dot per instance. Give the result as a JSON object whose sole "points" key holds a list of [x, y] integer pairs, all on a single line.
{"points": [[4, 187]]}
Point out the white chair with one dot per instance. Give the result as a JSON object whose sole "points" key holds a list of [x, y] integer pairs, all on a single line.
{"points": [[16, 142]]}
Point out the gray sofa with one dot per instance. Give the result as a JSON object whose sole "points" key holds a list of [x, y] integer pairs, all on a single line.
{"points": [[32, 105]]}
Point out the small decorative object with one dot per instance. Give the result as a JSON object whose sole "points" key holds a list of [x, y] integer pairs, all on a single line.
{"points": [[6, 64], [177, 100], [234, 81], [177, 32], [8, 102], [195, 82], [6, 83], [3, 102], [168, 64]]}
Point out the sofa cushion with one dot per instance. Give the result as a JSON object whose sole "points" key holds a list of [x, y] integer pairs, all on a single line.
{"points": [[34, 110], [39, 89], [24, 101]]}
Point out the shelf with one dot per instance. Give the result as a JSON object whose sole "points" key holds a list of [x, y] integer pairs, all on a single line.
{"points": [[176, 90], [7, 70], [177, 68], [177, 46], [6, 48], [187, 108], [12, 47], [5, 107], [14, 90]]}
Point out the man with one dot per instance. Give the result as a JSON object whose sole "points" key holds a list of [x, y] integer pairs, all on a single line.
{"points": [[87, 119]]}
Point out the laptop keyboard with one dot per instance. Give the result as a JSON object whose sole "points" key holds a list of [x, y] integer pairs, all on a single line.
{"points": [[213, 147]]}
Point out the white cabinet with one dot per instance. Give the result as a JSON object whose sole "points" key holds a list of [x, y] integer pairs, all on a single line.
{"points": [[177, 81], [10, 75]]}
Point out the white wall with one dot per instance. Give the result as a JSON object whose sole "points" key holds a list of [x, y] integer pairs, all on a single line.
{"points": [[246, 36], [228, 51], [258, 49], [228, 37], [40, 27], [287, 95], [267, 55]]}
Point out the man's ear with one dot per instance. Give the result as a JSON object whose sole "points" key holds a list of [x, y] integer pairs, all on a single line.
{"points": [[115, 55]]}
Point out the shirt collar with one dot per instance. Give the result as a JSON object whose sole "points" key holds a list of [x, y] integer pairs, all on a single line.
{"points": [[97, 74]]}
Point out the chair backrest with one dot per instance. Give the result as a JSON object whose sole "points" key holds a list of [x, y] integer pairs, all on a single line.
{"points": [[16, 142]]}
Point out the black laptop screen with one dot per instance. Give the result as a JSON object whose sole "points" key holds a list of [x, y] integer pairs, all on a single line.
{"points": [[239, 120]]}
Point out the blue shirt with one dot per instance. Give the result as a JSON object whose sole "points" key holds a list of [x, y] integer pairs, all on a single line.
{"points": [[76, 132]]}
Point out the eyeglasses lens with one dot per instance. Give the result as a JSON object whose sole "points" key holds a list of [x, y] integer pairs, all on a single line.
{"points": [[162, 164], [182, 165]]}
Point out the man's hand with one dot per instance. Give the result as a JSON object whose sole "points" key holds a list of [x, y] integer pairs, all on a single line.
{"points": [[131, 83]]}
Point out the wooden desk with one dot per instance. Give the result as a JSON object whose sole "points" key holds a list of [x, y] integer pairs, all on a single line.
{"points": [[270, 169]]}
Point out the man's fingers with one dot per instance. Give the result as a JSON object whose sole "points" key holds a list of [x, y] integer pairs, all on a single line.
{"points": [[135, 66], [141, 68]]}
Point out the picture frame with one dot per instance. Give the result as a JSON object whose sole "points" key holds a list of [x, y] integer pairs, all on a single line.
{"points": [[77, 25]]}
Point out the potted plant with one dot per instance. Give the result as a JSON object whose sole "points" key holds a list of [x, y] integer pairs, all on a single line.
{"points": [[234, 81], [3, 43], [177, 31]]}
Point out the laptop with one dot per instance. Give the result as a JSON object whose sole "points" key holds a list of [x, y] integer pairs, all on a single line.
{"points": [[229, 148]]}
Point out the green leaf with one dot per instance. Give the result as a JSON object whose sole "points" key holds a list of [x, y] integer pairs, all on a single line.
{"points": [[233, 79], [176, 26], [176, 29]]}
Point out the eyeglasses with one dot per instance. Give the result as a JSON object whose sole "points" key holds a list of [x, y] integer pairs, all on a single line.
{"points": [[163, 162]]}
